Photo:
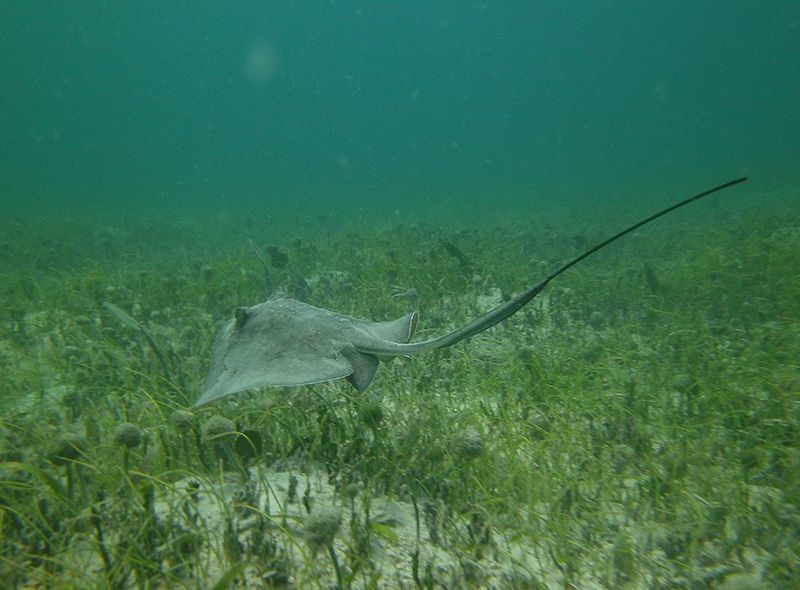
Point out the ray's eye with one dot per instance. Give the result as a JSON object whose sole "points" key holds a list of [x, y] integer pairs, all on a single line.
{"points": [[240, 314]]}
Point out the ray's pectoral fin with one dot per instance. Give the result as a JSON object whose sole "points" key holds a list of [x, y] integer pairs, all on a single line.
{"points": [[364, 368]]}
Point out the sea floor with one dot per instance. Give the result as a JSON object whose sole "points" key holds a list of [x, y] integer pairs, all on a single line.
{"points": [[636, 426]]}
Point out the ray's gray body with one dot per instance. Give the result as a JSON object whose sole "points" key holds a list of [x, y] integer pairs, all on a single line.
{"points": [[283, 342]]}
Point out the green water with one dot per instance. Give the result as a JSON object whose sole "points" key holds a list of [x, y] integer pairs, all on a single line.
{"points": [[635, 426], [345, 108]]}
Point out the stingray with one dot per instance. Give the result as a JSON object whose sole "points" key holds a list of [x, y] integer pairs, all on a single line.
{"points": [[283, 342]]}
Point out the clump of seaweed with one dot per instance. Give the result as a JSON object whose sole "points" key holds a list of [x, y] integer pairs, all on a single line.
{"points": [[467, 444], [127, 436], [320, 528]]}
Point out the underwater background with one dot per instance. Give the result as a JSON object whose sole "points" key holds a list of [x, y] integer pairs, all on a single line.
{"points": [[635, 426], [358, 110]]}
